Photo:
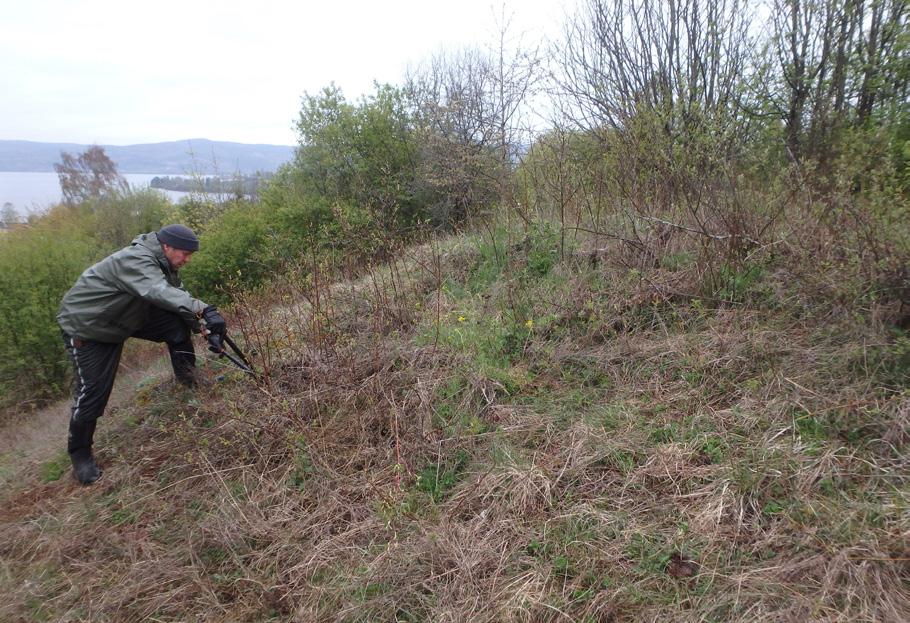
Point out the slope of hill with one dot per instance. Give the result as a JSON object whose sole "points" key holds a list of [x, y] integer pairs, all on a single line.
{"points": [[177, 157], [471, 433]]}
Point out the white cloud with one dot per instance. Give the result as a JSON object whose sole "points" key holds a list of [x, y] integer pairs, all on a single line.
{"points": [[119, 72]]}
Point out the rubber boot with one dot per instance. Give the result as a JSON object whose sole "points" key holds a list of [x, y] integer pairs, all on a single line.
{"points": [[183, 360], [85, 470], [79, 445]]}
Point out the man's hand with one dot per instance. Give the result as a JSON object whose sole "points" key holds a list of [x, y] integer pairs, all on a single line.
{"points": [[216, 342], [214, 323]]}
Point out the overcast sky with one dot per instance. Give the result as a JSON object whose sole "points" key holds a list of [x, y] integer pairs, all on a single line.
{"points": [[118, 72]]}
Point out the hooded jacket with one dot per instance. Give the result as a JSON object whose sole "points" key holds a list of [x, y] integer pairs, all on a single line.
{"points": [[111, 300]]}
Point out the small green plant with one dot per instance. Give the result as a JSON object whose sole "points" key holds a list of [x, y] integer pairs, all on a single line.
{"points": [[543, 251], [650, 552], [615, 415], [714, 448], [621, 459], [773, 507], [734, 284], [123, 516], [55, 468], [809, 426], [537, 548], [437, 479], [562, 566], [664, 434]]}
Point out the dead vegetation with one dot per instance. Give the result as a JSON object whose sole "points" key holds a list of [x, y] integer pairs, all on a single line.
{"points": [[460, 436]]}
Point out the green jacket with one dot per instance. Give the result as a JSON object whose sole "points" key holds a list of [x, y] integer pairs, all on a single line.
{"points": [[111, 300]]}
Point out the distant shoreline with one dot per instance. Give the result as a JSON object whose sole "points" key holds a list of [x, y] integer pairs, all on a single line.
{"points": [[231, 184], [33, 192], [187, 157]]}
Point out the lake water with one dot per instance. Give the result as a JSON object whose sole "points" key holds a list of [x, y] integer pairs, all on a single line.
{"points": [[32, 193]]}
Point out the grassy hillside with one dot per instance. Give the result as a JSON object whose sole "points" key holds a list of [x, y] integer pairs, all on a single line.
{"points": [[498, 427]]}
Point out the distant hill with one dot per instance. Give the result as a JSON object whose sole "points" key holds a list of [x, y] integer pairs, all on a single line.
{"points": [[198, 155]]}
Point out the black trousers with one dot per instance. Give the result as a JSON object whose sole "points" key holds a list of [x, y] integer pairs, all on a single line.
{"points": [[95, 365]]}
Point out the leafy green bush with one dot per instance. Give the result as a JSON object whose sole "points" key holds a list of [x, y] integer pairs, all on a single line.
{"points": [[364, 154], [37, 266], [299, 217], [199, 211], [235, 252], [115, 220]]}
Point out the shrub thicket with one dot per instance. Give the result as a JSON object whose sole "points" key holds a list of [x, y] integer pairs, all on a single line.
{"points": [[113, 222], [235, 253], [37, 265]]}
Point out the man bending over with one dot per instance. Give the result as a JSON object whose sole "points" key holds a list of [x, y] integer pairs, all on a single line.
{"points": [[135, 292]]}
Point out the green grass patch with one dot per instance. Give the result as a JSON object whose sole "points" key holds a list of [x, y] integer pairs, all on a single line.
{"points": [[888, 364], [650, 552], [54, 469], [123, 516], [438, 479]]}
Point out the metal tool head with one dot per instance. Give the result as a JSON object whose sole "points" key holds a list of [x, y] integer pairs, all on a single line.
{"points": [[217, 342]]}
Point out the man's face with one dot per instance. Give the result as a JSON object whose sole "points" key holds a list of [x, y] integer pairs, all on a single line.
{"points": [[177, 257]]}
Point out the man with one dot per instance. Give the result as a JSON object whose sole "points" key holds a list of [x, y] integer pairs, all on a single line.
{"points": [[136, 292]]}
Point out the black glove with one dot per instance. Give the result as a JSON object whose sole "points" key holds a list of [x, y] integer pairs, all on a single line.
{"points": [[216, 342], [213, 320]]}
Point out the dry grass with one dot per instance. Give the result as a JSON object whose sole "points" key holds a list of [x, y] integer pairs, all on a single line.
{"points": [[415, 452]]}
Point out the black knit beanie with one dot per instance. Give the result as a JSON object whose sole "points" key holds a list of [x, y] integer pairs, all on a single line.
{"points": [[179, 237]]}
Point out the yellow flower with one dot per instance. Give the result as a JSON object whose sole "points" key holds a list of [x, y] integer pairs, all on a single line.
{"points": [[529, 323], [461, 319]]}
